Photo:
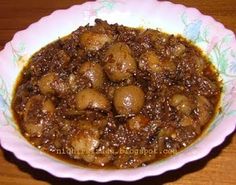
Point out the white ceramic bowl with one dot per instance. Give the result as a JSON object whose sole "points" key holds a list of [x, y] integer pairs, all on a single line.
{"points": [[218, 42]]}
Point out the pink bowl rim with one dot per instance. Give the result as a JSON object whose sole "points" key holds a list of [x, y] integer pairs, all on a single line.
{"points": [[128, 174]]}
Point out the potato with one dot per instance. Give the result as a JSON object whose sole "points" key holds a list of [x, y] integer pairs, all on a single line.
{"points": [[128, 100], [91, 99], [85, 142], [92, 41], [120, 64], [182, 104], [36, 113], [137, 122], [46, 83], [93, 72], [151, 62], [204, 109]]}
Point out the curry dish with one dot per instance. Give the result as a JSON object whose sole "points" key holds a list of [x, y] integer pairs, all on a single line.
{"points": [[113, 96]]}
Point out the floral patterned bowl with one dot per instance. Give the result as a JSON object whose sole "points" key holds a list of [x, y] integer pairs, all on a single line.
{"points": [[216, 41]]}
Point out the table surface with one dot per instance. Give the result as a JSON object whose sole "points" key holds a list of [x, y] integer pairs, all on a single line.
{"points": [[218, 167]]}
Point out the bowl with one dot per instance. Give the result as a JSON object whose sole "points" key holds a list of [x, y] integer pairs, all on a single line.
{"points": [[212, 37]]}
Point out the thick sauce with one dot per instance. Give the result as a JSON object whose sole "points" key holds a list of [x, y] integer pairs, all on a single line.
{"points": [[113, 96]]}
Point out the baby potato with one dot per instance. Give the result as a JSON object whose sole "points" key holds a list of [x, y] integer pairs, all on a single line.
{"points": [[91, 99], [62, 58], [120, 64], [32, 126], [178, 50], [150, 62], [36, 112], [48, 107], [204, 110], [128, 100], [92, 41], [186, 121], [46, 83], [182, 104], [93, 72], [137, 122], [85, 142], [51, 83], [34, 130]]}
